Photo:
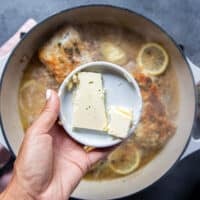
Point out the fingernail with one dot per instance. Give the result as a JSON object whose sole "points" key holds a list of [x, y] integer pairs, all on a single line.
{"points": [[48, 94]]}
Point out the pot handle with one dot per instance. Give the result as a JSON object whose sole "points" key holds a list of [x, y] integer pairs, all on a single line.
{"points": [[195, 71], [2, 65], [194, 143], [7, 159]]}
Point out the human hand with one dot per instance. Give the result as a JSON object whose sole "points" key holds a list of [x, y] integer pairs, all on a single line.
{"points": [[50, 164]]}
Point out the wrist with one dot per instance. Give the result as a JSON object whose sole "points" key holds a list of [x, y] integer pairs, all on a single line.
{"points": [[15, 191]]}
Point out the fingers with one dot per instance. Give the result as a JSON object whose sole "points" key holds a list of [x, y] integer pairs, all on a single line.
{"points": [[49, 115], [99, 154]]}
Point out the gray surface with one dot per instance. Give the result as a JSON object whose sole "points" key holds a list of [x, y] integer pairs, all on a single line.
{"points": [[181, 18]]}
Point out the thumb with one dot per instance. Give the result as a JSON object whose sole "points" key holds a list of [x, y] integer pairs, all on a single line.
{"points": [[49, 115]]}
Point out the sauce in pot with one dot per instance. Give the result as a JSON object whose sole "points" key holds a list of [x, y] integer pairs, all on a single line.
{"points": [[115, 44]]}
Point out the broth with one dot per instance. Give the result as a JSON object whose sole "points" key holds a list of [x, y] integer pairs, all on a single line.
{"points": [[160, 94]]}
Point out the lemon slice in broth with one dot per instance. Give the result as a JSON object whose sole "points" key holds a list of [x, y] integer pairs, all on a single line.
{"points": [[113, 53], [32, 97], [153, 59], [125, 159]]}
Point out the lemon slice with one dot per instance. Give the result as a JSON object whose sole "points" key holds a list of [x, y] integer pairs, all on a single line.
{"points": [[113, 53], [32, 97], [153, 59], [125, 159]]}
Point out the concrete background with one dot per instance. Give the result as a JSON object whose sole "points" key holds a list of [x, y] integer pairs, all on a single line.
{"points": [[180, 18]]}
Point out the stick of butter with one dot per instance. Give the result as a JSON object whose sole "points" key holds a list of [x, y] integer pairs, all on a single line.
{"points": [[120, 121], [89, 104]]}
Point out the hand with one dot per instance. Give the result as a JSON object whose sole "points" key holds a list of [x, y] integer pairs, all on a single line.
{"points": [[50, 164]]}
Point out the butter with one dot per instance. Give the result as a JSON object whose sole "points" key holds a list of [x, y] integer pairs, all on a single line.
{"points": [[89, 103], [120, 121]]}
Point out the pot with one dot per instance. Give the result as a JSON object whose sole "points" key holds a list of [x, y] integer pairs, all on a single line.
{"points": [[11, 127]]}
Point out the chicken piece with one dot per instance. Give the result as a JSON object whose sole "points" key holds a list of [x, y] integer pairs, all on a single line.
{"points": [[154, 128], [88, 148], [64, 52]]}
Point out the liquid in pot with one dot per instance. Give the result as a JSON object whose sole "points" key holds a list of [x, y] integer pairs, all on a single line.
{"points": [[106, 42]]}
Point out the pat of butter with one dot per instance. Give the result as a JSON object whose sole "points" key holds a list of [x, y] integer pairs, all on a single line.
{"points": [[88, 104], [120, 121]]}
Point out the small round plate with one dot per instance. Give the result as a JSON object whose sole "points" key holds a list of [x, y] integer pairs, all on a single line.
{"points": [[121, 89]]}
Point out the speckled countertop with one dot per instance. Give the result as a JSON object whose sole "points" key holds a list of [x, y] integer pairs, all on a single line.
{"points": [[180, 18]]}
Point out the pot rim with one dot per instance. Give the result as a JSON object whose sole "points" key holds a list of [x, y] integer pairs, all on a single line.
{"points": [[122, 9]]}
